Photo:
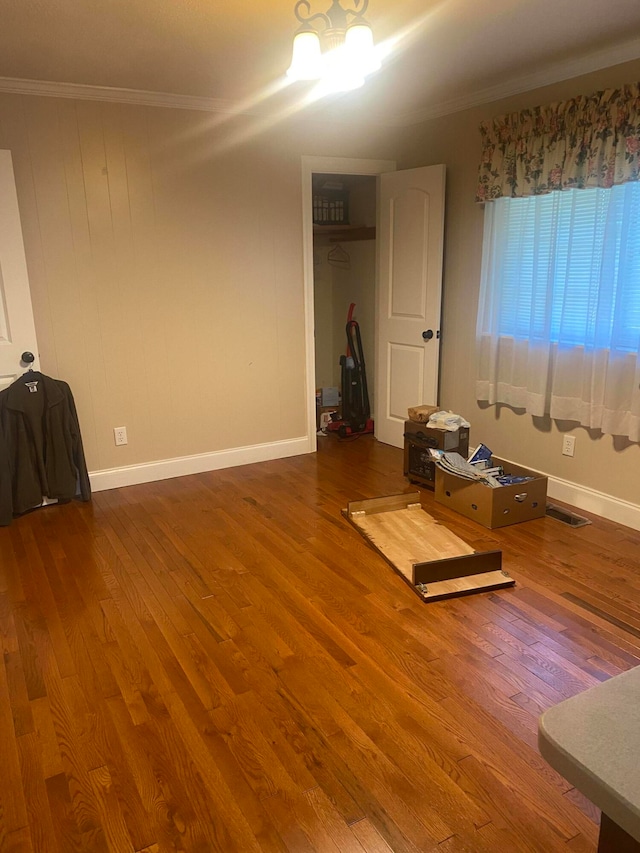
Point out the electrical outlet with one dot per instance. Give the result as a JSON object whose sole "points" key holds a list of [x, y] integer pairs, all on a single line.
{"points": [[120, 435], [568, 445]]}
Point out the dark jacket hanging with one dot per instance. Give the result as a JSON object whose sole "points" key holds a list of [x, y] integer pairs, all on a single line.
{"points": [[42, 445]]}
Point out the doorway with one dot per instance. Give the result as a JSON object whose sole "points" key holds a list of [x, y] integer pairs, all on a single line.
{"points": [[344, 274], [329, 287]]}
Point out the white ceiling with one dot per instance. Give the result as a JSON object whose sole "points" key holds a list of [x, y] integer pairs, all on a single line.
{"points": [[448, 54]]}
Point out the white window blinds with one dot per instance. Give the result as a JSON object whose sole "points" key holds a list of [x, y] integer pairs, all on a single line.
{"points": [[559, 312], [565, 267]]}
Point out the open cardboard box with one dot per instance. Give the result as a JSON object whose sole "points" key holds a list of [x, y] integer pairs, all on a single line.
{"points": [[494, 507], [320, 410]]}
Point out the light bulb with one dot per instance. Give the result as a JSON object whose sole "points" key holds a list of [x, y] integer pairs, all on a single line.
{"points": [[360, 48], [306, 60]]}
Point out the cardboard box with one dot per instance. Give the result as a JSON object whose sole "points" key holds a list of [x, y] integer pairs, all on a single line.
{"points": [[443, 439], [421, 414], [494, 507], [329, 396], [419, 466], [320, 410]]}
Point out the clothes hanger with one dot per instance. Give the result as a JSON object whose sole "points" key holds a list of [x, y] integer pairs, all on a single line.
{"points": [[337, 257], [29, 358]]}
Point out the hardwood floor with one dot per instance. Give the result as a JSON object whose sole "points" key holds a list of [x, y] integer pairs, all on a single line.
{"points": [[221, 663]]}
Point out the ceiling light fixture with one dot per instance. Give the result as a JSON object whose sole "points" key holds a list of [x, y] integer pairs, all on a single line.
{"points": [[331, 48]]}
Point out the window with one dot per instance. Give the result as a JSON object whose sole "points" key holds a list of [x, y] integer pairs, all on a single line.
{"points": [[564, 267], [559, 311]]}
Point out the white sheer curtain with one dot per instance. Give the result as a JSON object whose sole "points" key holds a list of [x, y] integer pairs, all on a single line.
{"points": [[559, 314]]}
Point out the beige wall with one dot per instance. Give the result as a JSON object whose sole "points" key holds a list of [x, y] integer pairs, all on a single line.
{"points": [[327, 374], [356, 285], [601, 462], [165, 262]]}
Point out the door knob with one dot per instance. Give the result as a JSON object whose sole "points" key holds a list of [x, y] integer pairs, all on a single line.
{"points": [[428, 334]]}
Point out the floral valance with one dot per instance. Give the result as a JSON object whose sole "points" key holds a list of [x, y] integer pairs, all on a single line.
{"points": [[589, 141]]}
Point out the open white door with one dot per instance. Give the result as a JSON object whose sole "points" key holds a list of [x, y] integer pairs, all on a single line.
{"points": [[17, 330], [410, 245]]}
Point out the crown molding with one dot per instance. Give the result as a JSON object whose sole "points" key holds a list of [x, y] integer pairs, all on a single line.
{"points": [[595, 61], [139, 97], [605, 58]]}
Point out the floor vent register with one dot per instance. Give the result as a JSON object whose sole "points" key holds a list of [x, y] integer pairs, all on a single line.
{"points": [[570, 518]]}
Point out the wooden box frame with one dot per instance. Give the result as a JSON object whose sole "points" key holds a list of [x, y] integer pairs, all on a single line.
{"points": [[399, 529]]}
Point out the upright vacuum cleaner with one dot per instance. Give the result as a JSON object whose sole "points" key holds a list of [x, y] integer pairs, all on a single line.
{"points": [[356, 411]]}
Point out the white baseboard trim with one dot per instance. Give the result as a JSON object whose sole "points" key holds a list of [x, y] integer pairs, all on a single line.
{"points": [[580, 497], [164, 469], [599, 503]]}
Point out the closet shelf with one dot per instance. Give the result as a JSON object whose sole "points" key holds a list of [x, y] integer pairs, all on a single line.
{"points": [[346, 233]]}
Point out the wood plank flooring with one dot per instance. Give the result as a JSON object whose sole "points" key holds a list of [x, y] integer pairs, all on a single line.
{"points": [[221, 663]]}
